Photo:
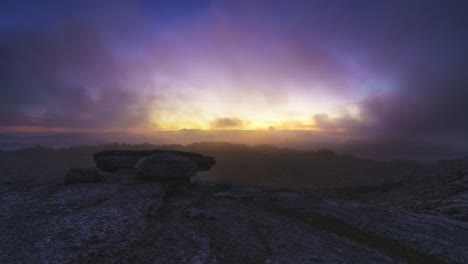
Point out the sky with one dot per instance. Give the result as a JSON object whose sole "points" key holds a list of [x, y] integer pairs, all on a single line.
{"points": [[384, 70]]}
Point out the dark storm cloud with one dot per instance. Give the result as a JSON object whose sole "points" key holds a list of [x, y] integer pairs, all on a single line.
{"points": [[430, 106], [344, 123], [419, 47], [68, 80]]}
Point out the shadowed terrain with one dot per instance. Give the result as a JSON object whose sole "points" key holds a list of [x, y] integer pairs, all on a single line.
{"points": [[123, 221], [258, 165], [396, 212]]}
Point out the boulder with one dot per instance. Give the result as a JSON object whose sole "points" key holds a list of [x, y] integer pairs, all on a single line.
{"points": [[166, 167], [112, 160], [78, 175]]}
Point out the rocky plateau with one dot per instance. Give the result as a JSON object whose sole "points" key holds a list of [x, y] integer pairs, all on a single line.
{"points": [[120, 218]]}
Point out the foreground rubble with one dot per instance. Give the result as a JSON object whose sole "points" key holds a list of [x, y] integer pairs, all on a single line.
{"points": [[120, 220]]}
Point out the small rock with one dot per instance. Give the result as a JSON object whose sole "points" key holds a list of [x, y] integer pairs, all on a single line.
{"points": [[78, 175]]}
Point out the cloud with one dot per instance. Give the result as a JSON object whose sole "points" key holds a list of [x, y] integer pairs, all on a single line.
{"points": [[228, 123], [71, 82], [344, 123], [428, 106], [79, 67]]}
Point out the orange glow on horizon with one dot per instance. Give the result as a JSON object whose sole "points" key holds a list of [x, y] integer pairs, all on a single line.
{"points": [[42, 129]]}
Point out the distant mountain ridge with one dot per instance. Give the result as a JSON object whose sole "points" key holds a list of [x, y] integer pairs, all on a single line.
{"points": [[303, 140], [257, 165]]}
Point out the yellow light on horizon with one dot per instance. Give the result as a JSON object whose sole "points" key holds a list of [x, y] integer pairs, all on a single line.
{"points": [[200, 108]]}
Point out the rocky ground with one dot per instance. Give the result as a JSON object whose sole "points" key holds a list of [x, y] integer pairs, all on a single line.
{"points": [[442, 191], [137, 207], [120, 220]]}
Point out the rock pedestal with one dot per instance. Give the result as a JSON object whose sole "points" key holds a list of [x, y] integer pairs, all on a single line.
{"points": [[177, 169], [166, 167]]}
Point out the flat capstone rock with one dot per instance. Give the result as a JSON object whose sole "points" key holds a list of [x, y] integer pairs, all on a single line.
{"points": [[112, 160]]}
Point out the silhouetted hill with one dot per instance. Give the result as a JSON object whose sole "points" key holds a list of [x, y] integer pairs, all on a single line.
{"points": [[402, 149], [399, 149], [259, 165]]}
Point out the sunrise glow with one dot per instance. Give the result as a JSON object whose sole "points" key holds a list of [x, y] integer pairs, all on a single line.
{"points": [[150, 66]]}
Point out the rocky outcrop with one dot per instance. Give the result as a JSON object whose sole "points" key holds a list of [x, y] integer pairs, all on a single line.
{"points": [[166, 167], [82, 175], [177, 167], [111, 160]]}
